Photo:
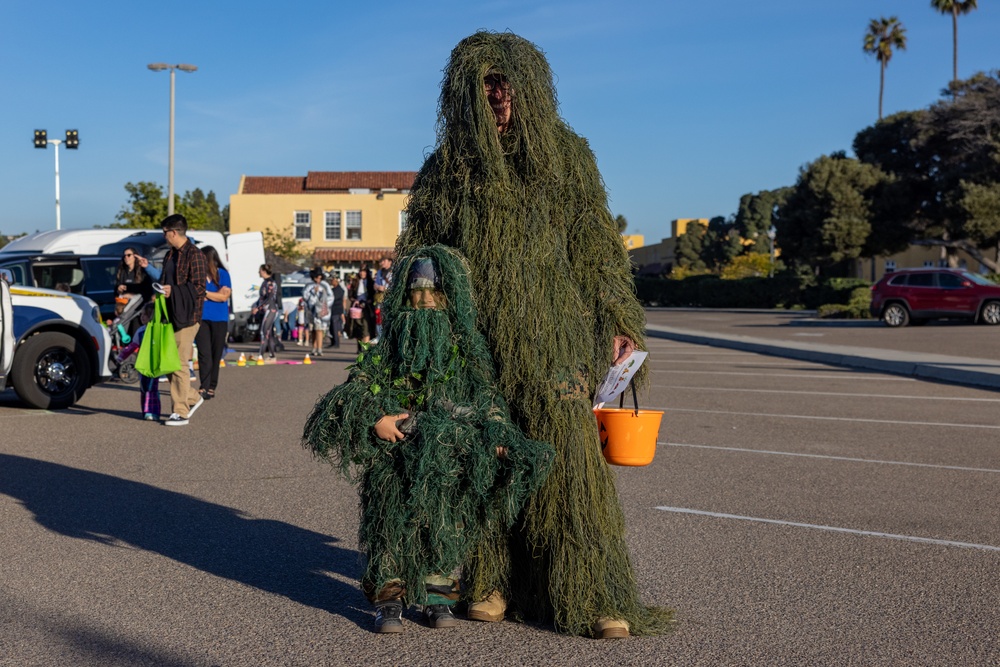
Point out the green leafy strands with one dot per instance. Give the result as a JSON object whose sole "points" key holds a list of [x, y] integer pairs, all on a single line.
{"points": [[428, 500], [528, 209]]}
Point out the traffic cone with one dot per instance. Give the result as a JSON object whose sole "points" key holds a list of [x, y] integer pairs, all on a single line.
{"points": [[260, 360], [222, 363], [307, 360], [242, 361]]}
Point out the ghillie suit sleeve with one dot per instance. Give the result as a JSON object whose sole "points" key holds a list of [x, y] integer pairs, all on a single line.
{"points": [[528, 209], [428, 500]]}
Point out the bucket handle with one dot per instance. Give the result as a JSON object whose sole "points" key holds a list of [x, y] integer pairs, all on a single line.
{"points": [[635, 399]]}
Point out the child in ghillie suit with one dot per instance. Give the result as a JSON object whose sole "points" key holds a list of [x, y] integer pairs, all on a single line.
{"points": [[149, 391], [442, 470]]}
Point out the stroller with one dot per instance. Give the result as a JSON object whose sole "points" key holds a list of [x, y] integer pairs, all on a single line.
{"points": [[120, 339]]}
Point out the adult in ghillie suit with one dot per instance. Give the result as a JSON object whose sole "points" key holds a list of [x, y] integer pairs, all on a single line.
{"points": [[519, 194], [419, 424]]}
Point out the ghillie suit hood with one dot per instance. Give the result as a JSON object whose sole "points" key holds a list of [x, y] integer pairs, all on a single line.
{"points": [[428, 500], [528, 209]]}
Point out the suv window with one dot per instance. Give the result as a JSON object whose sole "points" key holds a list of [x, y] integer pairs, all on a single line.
{"points": [[59, 276], [899, 280], [921, 280], [949, 280]]}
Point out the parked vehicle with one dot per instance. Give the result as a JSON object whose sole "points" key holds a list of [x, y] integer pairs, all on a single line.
{"points": [[73, 241], [242, 253], [52, 345], [913, 296], [86, 275]]}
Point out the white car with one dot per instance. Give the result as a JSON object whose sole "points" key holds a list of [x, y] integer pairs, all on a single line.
{"points": [[52, 345]]}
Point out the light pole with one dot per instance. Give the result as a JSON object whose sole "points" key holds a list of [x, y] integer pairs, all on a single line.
{"points": [[159, 67], [771, 233], [72, 142]]}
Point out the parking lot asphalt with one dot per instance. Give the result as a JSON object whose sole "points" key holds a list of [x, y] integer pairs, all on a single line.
{"points": [[956, 352], [796, 513]]}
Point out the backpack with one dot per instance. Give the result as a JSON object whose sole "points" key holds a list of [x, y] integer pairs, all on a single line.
{"points": [[322, 308]]}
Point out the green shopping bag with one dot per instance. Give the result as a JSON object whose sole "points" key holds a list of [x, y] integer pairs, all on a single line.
{"points": [[157, 355]]}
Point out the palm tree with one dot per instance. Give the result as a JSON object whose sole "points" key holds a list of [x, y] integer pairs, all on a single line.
{"points": [[884, 35], [954, 7]]}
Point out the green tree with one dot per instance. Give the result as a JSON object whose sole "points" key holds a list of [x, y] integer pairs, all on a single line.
{"points": [[690, 245], [147, 207], [756, 215], [281, 243], [621, 222], [827, 218], [720, 243], [954, 8], [945, 163], [883, 36]]}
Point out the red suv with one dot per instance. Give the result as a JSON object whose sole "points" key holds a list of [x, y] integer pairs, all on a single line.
{"points": [[918, 295]]}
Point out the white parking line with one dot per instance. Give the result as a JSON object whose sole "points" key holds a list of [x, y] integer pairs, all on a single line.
{"points": [[835, 419], [832, 375], [829, 457], [835, 529], [826, 393]]}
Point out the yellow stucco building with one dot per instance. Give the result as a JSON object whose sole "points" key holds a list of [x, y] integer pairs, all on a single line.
{"points": [[344, 218]]}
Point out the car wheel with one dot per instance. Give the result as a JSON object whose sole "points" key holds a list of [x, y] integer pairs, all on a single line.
{"points": [[896, 315], [51, 371], [990, 314]]}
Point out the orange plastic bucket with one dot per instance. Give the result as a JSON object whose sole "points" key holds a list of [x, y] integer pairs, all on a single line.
{"points": [[628, 437]]}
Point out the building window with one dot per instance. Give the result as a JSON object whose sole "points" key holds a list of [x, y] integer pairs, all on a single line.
{"points": [[403, 221], [354, 225], [929, 264], [303, 226], [332, 225], [943, 263], [890, 265]]}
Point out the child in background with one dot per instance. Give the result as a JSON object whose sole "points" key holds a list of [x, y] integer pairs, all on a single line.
{"points": [[149, 393], [300, 322]]}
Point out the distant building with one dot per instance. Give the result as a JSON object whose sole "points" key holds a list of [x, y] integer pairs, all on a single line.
{"points": [[345, 218], [659, 259], [633, 241]]}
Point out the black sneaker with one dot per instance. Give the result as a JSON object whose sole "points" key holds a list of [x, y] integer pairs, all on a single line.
{"points": [[389, 617], [440, 616]]}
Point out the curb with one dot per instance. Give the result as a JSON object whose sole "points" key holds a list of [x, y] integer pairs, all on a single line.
{"points": [[981, 373]]}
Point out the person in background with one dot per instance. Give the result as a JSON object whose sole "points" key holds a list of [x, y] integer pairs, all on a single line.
{"points": [[300, 323], [337, 311], [214, 329], [149, 391], [185, 272], [318, 297], [361, 295], [383, 279], [133, 282], [268, 303]]}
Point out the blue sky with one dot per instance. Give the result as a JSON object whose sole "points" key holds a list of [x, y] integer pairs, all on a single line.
{"points": [[687, 105]]}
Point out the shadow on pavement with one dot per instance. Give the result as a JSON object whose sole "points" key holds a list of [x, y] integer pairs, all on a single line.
{"points": [[272, 556]]}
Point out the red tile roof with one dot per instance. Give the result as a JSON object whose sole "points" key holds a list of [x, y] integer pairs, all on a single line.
{"points": [[328, 181], [373, 180], [273, 185], [351, 254]]}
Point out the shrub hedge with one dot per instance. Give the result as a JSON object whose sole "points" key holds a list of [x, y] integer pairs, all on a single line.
{"points": [[785, 290]]}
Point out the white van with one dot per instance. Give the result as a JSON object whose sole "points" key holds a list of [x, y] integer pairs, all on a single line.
{"points": [[52, 345], [73, 241]]}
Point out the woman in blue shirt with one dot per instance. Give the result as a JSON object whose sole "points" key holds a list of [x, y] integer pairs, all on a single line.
{"points": [[214, 329]]}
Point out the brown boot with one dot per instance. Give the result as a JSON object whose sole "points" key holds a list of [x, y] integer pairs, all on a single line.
{"points": [[489, 610], [610, 628]]}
